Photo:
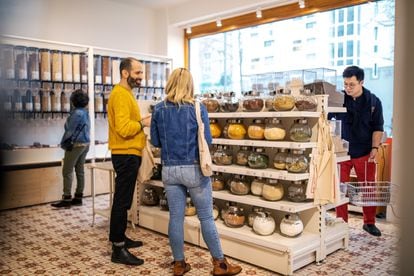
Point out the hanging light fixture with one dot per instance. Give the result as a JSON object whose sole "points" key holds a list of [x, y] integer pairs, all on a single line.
{"points": [[188, 30], [301, 4], [259, 13], [218, 23]]}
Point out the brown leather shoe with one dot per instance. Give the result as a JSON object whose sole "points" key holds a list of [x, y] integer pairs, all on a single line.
{"points": [[224, 268], [181, 268]]}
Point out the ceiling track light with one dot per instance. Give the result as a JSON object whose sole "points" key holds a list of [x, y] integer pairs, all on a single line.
{"points": [[218, 23], [301, 4], [188, 30], [259, 13]]}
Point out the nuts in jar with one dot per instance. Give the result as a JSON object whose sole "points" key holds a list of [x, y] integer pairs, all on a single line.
{"points": [[234, 217], [284, 101], [242, 155]]}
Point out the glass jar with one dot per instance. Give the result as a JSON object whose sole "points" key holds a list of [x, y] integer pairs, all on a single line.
{"points": [[83, 67], [306, 101], [297, 191], [252, 215], [257, 186], [222, 156], [106, 70], [97, 68], [234, 129], [252, 102], [150, 197], [215, 128], [164, 201], [45, 65], [190, 209], [300, 131], [264, 224], [296, 162], [274, 130], [273, 190], [99, 106], [76, 67], [284, 101], [45, 96], [56, 65], [229, 102], [255, 131], [17, 100], [258, 159], [7, 61], [234, 217], [217, 181], [35, 87], [28, 105], [20, 57], [291, 226], [239, 185], [279, 160], [67, 66], [242, 155], [210, 102], [148, 73], [55, 102], [269, 99], [65, 101], [216, 211], [116, 75], [224, 210], [33, 70]]}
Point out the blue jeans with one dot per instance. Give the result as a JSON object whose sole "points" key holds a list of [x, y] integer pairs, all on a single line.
{"points": [[177, 180]]}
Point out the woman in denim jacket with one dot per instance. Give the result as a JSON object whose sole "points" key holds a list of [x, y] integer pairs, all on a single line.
{"points": [[174, 129], [77, 126]]}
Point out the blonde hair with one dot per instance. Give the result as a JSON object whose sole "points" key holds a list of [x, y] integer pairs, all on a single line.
{"points": [[180, 87]]}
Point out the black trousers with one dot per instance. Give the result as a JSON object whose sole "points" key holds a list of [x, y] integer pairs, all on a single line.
{"points": [[126, 169]]}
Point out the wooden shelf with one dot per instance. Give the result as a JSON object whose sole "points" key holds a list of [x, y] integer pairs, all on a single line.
{"points": [[265, 114], [264, 143]]}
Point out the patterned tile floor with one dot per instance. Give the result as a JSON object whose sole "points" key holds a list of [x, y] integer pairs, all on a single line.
{"points": [[39, 240]]}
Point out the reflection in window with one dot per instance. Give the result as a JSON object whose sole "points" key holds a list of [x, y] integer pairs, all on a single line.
{"points": [[340, 30], [350, 29]]}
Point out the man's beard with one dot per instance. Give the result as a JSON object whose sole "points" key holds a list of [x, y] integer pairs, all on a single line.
{"points": [[133, 83]]}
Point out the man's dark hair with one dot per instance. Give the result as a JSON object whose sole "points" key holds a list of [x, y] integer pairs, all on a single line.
{"points": [[79, 98], [126, 64], [351, 71]]}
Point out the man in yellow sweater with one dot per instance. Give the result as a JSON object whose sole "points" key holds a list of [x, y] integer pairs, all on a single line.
{"points": [[126, 141]]}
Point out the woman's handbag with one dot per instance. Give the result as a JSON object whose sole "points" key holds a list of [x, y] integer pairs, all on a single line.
{"points": [[204, 151]]}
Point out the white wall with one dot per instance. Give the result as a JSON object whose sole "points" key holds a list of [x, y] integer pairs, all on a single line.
{"points": [[100, 23]]}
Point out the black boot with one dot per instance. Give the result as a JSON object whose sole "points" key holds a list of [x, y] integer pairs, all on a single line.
{"points": [[132, 244], [77, 200], [121, 255], [64, 203]]}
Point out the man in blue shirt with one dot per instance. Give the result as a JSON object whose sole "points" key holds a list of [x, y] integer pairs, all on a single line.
{"points": [[362, 127]]}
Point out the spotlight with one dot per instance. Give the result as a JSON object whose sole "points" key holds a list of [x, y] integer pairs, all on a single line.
{"points": [[218, 23], [301, 4], [259, 13], [188, 30]]}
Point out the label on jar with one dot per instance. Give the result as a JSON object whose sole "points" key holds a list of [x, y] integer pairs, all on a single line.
{"points": [[108, 80], [35, 75], [57, 76], [28, 106], [68, 77], [46, 76], [76, 77], [84, 78], [98, 79]]}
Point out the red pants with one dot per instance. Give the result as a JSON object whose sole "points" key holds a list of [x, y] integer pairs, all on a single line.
{"points": [[359, 165]]}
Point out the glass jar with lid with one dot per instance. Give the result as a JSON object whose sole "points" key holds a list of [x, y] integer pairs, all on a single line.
{"points": [[229, 102], [297, 162], [297, 191], [279, 160], [217, 181], [164, 201], [45, 65], [264, 224], [306, 101], [222, 156], [252, 215], [106, 70], [99, 101], [150, 197], [300, 131], [211, 103], [257, 186], [97, 68], [7, 62], [269, 99], [255, 131], [116, 75], [224, 210], [242, 155], [234, 217], [56, 65], [83, 67], [45, 96], [190, 209], [17, 100], [215, 128], [28, 105], [20, 57], [33, 62], [274, 130], [273, 190], [258, 159], [76, 67], [291, 226], [284, 101], [234, 129], [252, 101], [67, 66], [239, 185], [35, 88], [55, 95]]}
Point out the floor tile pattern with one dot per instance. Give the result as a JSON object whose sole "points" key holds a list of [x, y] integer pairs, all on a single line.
{"points": [[38, 240]]}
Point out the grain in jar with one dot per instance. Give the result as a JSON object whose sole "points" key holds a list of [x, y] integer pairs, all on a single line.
{"points": [[116, 77], [83, 67], [7, 62], [252, 101], [234, 129], [252, 215], [67, 66], [257, 186], [300, 131], [97, 68], [76, 67], [240, 185], [297, 162], [284, 101], [255, 131], [264, 224], [217, 181], [65, 101], [210, 101], [28, 103], [279, 160], [106, 70], [33, 63], [306, 101], [215, 128], [223, 156], [55, 94], [56, 65], [234, 217], [35, 88], [45, 65], [20, 57], [242, 155], [274, 130], [45, 96], [273, 190]]}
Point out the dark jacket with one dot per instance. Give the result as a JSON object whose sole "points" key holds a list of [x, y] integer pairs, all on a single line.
{"points": [[174, 129]]}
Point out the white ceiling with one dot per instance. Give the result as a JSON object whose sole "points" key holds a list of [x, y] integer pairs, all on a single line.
{"points": [[154, 4]]}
